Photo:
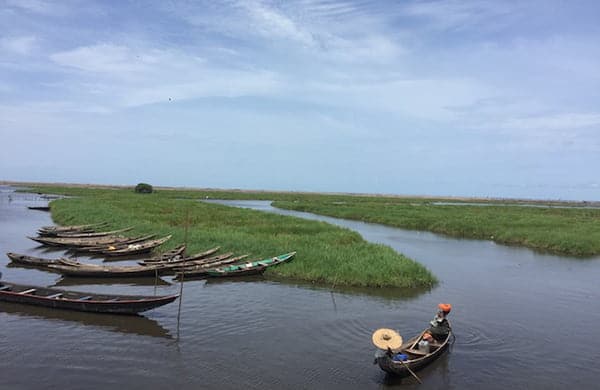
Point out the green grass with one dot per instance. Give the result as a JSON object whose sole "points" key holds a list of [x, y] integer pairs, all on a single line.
{"points": [[557, 230], [326, 254]]}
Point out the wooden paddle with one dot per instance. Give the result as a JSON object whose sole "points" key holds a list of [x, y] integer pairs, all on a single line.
{"points": [[406, 365], [391, 353]]}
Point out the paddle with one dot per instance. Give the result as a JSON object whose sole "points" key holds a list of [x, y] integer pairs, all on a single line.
{"points": [[406, 366]]}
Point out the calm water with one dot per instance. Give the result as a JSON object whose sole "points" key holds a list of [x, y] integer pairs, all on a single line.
{"points": [[522, 319]]}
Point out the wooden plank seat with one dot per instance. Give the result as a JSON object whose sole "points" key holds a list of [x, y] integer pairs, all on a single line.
{"points": [[415, 352], [86, 298], [27, 291], [53, 296]]}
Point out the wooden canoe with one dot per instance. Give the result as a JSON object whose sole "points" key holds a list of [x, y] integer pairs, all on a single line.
{"points": [[81, 301], [51, 230], [82, 242], [416, 359], [35, 261], [39, 208], [250, 268], [105, 271], [92, 234], [136, 248]]}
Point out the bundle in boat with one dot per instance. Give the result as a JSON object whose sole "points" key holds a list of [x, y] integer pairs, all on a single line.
{"points": [[81, 301], [181, 259], [174, 253], [135, 248]]}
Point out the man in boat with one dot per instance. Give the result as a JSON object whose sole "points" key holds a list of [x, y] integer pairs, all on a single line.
{"points": [[440, 327]]}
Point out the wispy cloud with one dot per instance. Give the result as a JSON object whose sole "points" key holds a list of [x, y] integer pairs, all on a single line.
{"points": [[444, 76], [45, 7], [118, 75], [561, 121]]}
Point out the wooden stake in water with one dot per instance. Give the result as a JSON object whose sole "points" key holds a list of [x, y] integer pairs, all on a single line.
{"points": [[185, 241]]}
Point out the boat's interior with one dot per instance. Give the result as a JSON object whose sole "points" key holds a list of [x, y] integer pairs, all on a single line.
{"points": [[57, 294], [411, 349]]}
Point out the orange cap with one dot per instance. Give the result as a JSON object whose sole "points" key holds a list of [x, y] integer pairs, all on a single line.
{"points": [[445, 307]]}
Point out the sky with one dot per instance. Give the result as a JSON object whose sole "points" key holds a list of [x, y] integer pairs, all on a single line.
{"points": [[446, 98]]}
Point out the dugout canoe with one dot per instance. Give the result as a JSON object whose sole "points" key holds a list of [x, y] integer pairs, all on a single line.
{"points": [[84, 242], [92, 234], [39, 208], [250, 268], [51, 230], [416, 359], [39, 262], [80, 301], [105, 271]]}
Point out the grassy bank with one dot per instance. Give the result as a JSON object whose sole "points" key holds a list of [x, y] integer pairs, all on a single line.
{"points": [[326, 254], [568, 231], [558, 230]]}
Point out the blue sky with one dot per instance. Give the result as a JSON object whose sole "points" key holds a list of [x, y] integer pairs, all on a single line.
{"points": [[460, 98]]}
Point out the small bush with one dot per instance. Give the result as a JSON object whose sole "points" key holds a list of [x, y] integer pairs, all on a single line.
{"points": [[143, 188]]}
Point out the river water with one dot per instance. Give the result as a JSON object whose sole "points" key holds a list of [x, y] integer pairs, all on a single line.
{"points": [[522, 320]]}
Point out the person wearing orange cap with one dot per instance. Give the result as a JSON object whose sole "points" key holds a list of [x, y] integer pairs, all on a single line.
{"points": [[440, 327]]}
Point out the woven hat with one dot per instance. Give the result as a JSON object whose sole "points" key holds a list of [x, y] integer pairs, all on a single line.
{"points": [[387, 338]]}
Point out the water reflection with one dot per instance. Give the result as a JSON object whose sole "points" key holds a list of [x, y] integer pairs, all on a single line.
{"points": [[125, 324], [68, 281]]}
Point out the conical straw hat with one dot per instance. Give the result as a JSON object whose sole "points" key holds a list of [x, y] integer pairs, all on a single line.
{"points": [[387, 338]]}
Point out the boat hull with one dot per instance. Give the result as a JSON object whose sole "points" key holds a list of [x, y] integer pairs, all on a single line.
{"points": [[111, 304], [387, 364]]}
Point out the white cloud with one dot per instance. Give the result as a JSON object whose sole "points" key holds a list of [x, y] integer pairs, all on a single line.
{"points": [[22, 45]]}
